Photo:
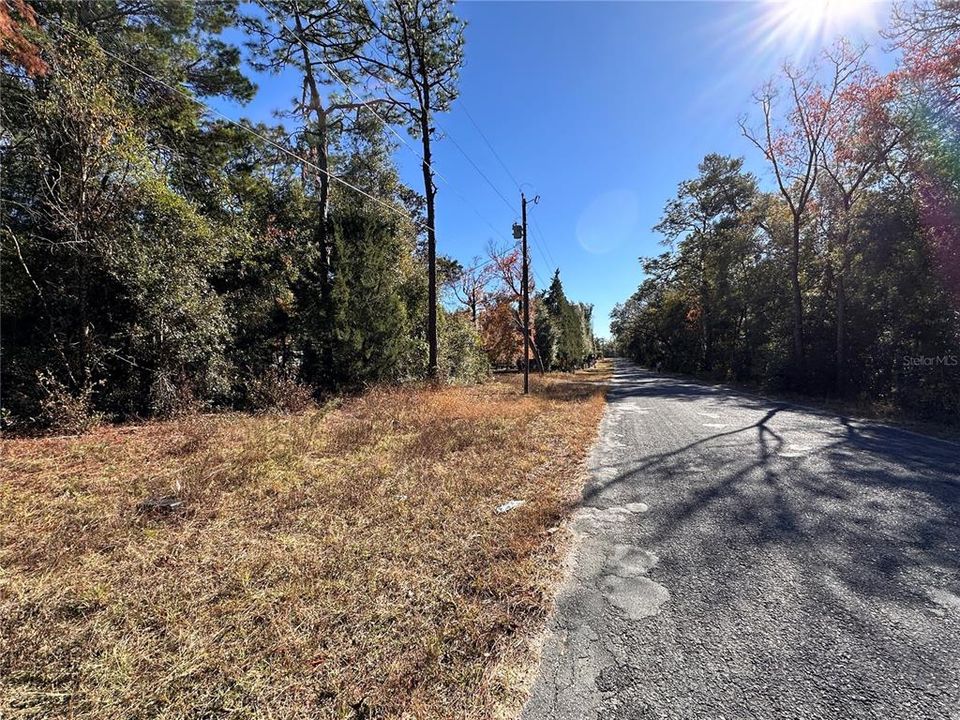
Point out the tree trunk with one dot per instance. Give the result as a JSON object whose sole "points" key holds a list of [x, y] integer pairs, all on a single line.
{"points": [[706, 350], [841, 350], [841, 359], [319, 139], [797, 299], [430, 193], [322, 237]]}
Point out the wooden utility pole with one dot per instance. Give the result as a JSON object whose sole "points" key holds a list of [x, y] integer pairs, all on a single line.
{"points": [[520, 233], [525, 289]]}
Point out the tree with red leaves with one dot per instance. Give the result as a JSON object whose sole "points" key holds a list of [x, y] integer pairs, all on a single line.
{"points": [[792, 140], [928, 33], [859, 141], [18, 37], [507, 270]]}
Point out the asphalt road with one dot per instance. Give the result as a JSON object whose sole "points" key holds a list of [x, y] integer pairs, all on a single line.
{"points": [[736, 557]]}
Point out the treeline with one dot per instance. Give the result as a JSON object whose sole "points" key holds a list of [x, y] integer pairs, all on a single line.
{"points": [[564, 330], [845, 279], [489, 293], [156, 258]]}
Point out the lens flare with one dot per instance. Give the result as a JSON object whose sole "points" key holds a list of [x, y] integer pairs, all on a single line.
{"points": [[801, 25], [818, 14]]}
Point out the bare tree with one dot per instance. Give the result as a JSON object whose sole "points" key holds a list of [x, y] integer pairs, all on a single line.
{"points": [[469, 286], [792, 141]]}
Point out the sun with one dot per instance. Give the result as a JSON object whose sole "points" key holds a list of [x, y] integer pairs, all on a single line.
{"points": [[805, 24], [819, 15]]}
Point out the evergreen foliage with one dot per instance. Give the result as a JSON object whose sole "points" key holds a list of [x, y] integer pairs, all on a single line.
{"points": [[155, 260], [564, 334]]}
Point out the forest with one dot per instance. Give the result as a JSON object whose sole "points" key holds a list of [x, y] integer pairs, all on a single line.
{"points": [[265, 449], [159, 257], [843, 278]]}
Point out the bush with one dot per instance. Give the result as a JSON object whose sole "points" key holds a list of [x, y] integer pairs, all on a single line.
{"points": [[462, 359], [277, 391], [64, 410]]}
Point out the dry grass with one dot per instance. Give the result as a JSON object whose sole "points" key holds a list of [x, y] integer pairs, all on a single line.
{"points": [[340, 563]]}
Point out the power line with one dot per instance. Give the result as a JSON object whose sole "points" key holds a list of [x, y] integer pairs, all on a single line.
{"points": [[492, 261], [475, 166], [541, 244], [402, 139], [546, 246], [537, 276], [181, 91], [542, 256], [349, 88], [473, 122], [463, 152]]}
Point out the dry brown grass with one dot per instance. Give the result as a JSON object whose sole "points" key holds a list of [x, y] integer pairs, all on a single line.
{"points": [[339, 563]]}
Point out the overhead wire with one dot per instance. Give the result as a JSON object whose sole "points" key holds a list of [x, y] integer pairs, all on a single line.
{"points": [[541, 243], [457, 145], [368, 105], [537, 244], [493, 150], [182, 91]]}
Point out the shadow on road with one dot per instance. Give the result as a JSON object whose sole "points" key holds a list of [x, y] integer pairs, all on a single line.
{"points": [[866, 504], [740, 557]]}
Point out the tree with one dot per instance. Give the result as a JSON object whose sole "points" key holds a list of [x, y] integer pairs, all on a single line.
{"points": [[320, 39], [114, 219], [371, 338], [469, 286], [567, 337], [928, 33], [154, 260], [418, 54], [462, 357], [701, 216], [506, 266], [793, 150], [18, 37], [858, 143]]}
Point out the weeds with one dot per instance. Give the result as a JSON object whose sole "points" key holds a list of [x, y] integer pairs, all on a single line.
{"points": [[326, 564]]}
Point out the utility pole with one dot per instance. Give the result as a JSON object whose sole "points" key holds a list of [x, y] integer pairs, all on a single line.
{"points": [[521, 233], [525, 285]]}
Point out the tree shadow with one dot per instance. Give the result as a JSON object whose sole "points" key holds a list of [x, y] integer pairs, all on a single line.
{"points": [[815, 555], [876, 510]]}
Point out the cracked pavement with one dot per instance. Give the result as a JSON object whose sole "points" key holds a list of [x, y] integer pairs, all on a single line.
{"points": [[738, 557]]}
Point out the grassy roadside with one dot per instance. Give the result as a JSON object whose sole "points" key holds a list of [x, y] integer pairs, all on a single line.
{"points": [[346, 563]]}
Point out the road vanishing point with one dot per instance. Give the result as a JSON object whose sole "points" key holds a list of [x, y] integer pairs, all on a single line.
{"points": [[737, 557]]}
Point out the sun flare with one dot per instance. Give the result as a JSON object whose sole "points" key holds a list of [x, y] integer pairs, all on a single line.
{"points": [[816, 14], [803, 23]]}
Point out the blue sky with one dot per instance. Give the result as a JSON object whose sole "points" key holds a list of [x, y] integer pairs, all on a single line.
{"points": [[601, 108]]}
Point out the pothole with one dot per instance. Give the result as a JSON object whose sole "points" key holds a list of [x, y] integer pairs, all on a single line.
{"points": [[637, 597]]}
